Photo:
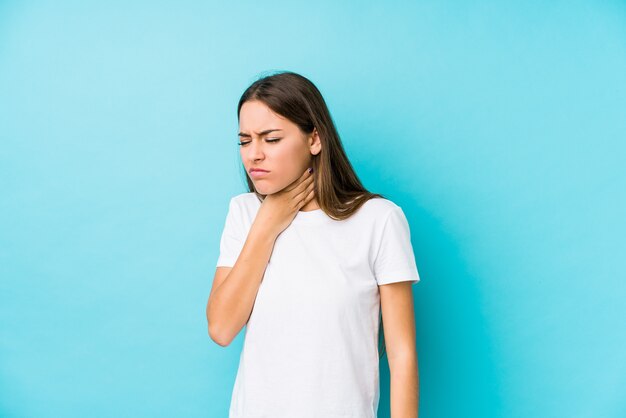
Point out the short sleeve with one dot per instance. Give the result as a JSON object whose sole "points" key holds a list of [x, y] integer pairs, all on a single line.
{"points": [[232, 239], [395, 261]]}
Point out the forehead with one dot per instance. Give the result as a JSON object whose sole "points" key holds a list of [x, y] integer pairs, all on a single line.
{"points": [[257, 116]]}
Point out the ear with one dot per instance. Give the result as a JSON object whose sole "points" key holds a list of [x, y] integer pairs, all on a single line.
{"points": [[315, 144]]}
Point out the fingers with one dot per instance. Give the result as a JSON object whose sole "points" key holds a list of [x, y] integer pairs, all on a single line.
{"points": [[303, 183], [297, 185], [307, 194], [310, 196], [307, 177]]}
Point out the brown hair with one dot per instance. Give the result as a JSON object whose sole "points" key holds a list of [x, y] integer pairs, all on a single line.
{"points": [[338, 190]]}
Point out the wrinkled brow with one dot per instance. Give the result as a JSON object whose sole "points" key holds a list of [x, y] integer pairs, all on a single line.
{"points": [[258, 133]]}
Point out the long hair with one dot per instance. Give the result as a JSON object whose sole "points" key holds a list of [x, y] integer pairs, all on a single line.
{"points": [[338, 190]]}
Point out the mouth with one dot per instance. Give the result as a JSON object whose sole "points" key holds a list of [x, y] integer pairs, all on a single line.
{"points": [[256, 173]]}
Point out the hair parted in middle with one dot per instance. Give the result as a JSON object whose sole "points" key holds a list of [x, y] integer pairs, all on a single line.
{"points": [[338, 190]]}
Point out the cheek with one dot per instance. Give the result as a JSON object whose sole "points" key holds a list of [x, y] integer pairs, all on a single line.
{"points": [[287, 159]]}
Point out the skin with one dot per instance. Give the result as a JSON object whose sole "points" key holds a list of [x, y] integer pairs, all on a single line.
{"points": [[288, 190], [396, 301], [285, 159]]}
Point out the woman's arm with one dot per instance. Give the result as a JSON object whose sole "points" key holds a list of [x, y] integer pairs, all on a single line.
{"points": [[399, 328], [235, 288]]}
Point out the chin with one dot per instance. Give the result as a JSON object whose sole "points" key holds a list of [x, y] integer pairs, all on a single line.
{"points": [[266, 189]]}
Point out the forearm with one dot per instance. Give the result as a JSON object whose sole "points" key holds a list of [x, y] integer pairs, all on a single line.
{"points": [[404, 387], [232, 302]]}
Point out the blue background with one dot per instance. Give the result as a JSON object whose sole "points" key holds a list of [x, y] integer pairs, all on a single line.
{"points": [[498, 127]]}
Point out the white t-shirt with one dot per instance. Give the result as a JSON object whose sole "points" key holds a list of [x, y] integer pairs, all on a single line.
{"points": [[311, 343]]}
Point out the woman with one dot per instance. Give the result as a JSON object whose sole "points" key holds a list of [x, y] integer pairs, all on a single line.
{"points": [[308, 261]]}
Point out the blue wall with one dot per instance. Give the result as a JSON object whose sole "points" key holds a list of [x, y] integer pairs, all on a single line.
{"points": [[498, 127]]}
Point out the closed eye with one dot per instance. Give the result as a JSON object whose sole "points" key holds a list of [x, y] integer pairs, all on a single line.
{"points": [[267, 140]]}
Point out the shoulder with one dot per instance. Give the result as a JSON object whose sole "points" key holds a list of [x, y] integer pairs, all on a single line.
{"points": [[376, 211], [245, 206], [247, 199], [242, 209], [379, 207]]}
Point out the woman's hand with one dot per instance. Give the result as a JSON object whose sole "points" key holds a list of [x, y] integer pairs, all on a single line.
{"points": [[278, 209]]}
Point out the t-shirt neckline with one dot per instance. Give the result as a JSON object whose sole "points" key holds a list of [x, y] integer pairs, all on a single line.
{"points": [[310, 216]]}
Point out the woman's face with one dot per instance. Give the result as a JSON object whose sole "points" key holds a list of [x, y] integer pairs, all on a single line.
{"points": [[275, 144]]}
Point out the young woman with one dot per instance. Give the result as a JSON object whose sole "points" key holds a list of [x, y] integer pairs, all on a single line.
{"points": [[309, 260]]}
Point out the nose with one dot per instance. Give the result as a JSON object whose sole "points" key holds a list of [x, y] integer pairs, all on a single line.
{"points": [[254, 150]]}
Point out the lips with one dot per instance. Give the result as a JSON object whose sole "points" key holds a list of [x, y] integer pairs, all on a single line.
{"points": [[258, 174], [252, 170]]}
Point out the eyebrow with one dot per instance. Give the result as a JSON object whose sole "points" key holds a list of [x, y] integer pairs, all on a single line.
{"points": [[258, 133]]}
